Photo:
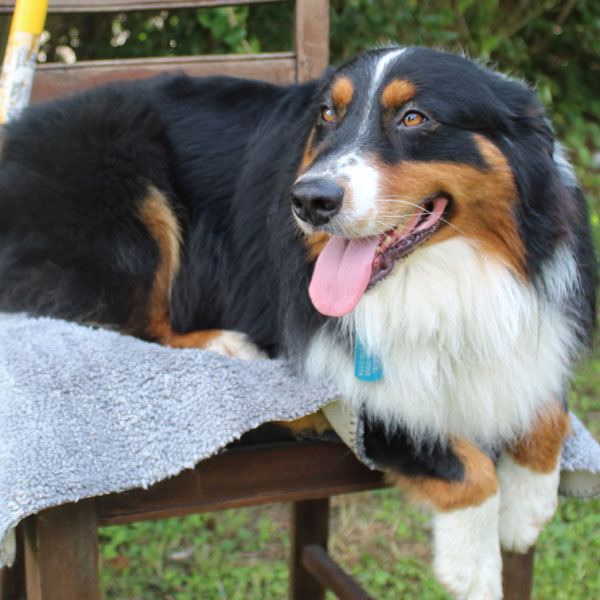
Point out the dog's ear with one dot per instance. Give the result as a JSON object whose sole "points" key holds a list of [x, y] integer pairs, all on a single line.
{"points": [[536, 120]]}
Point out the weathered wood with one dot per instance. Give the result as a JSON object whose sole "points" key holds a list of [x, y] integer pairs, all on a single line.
{"points": [[10, 588], [12, 579], [319, 563], [311, 38], [61, 553], [124, 5], [245, 477], [310, 525], [55, 80], [517, 574]]}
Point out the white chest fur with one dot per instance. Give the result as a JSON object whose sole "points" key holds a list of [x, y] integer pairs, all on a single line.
{"points": [[467, 347]]}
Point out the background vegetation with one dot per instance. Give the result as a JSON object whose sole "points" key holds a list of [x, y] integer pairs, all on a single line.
{"points": [[553, 45]]}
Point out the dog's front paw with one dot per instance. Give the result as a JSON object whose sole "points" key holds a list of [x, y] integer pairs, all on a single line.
{"points": [[467, 560], [528, 501], [234, 343]]}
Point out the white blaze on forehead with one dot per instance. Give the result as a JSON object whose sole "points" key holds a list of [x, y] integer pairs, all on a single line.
{"points": [[349, 168], [379, 74]]}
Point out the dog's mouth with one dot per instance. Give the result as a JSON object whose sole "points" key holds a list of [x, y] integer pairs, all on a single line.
{"points": [[347, 268], [398, 242]]}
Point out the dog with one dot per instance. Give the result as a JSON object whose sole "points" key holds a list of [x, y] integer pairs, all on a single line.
{"points": [[407, 226]]}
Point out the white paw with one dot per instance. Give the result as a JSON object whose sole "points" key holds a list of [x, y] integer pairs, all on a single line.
{"points": [[467, 559], [234, 343], [528, 501]]}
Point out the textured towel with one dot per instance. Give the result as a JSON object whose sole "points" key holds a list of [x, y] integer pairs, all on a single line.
{"points": [[85, 412]]}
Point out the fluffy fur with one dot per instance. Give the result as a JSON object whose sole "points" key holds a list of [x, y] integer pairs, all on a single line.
{"points": [[470, 563], [191, 213]]}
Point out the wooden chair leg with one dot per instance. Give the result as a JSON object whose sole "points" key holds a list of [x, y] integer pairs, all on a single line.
{"points": [[310, 525], [12, 579], [317, 560], [517, 574], [61, 553]]}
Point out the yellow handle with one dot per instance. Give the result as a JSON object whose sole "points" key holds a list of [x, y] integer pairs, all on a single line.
{"points": [[20, 57], [29, 16]]}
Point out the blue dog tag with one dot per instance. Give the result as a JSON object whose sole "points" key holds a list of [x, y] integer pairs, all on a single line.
{"points": [[366, 366]]}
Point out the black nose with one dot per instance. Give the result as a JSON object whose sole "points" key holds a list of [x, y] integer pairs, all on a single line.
{"points": [[316, 200]]}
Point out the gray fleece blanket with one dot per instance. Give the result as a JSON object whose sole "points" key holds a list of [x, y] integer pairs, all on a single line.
{"points": [[85, 412]]}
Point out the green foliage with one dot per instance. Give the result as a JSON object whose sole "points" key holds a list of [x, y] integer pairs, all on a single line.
{"points": [[201, 556], [220, 30]]}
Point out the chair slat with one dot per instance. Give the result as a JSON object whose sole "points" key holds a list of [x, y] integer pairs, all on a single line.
{"points": [[56, 6], [261, 475], [311, 38], [54, 80]]}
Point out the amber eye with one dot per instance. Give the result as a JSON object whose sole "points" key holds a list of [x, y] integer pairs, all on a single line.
{"points": [[412, 118], [328, 115]]}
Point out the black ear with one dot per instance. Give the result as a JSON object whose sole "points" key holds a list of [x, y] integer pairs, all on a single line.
{"points": [[527, 113], [535, 120]]}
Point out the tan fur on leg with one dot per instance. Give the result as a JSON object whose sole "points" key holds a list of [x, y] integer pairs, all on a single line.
{"points": [[479, 482], [313, 423], [540, 449], [529, 476], [465, 524]]}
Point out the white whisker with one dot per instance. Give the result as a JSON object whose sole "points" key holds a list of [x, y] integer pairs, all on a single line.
{"points": [[399, 200]]}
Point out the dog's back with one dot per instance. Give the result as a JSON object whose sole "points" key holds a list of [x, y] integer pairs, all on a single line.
{"points": [[99, 188]]}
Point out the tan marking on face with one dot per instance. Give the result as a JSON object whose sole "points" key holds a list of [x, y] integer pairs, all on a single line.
{"points": [[396, 93], [156, 213], [315, 244], [309, 153], [484, 200], [479, 482], [539, 450], [342, 92]]}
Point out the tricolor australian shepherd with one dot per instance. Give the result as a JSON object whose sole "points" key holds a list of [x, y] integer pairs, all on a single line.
{"points": [[411, 207]]}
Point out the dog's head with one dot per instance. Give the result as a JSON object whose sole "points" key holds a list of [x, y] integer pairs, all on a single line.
{"points": [[411, 147]]}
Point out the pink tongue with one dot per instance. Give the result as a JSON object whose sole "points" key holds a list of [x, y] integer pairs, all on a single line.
{"points": [[341, 275]]}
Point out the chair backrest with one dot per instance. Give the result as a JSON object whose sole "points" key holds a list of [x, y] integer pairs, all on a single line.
{"points": [[308, 58]]}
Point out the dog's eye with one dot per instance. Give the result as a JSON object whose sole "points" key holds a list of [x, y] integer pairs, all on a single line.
{"points": [[412, 118], [328, 115]]}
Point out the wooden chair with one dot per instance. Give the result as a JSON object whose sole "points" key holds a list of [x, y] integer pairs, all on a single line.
{"points": [[57, 552], [307, 60]]}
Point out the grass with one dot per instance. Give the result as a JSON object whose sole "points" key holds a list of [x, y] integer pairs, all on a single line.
{"points": [[382, 540]]}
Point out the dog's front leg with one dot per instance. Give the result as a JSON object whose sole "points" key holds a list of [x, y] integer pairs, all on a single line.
{"points": [[465, 501], [529, 473]]}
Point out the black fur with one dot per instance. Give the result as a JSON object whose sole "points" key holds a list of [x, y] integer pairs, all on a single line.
{"points": [[396, 450]]}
